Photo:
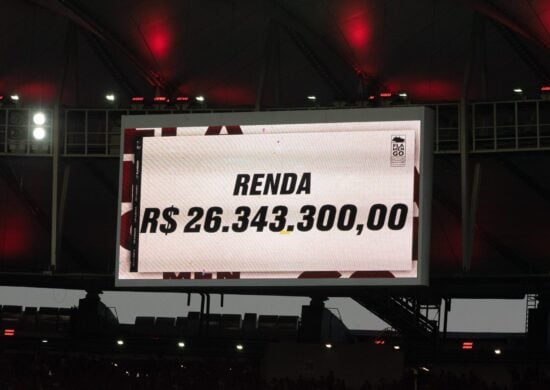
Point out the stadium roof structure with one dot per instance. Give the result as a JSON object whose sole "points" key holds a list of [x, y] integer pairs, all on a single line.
{"points": [[276, 53], [271, 52]]}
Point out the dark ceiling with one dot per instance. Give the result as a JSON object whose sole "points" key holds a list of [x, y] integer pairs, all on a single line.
{"points": [[281, 50]]}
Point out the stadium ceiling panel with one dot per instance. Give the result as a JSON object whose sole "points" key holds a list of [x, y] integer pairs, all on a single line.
{"points": [[336, 50]]}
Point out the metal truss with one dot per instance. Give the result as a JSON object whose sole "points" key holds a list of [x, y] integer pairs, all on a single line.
{"points": [[506, 126]]}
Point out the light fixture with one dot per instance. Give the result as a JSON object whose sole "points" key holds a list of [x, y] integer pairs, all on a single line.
{"points": [[160, 99], [467, 345], [180, 99], [9, 332], [120, 342], [181, 344], [396, 347], [39, 133], [239, 347], [14, 97], [403, 95], [312, 98], [328, 345], [498, 351], [385, 94], [110, 97], [425, 369], [39, 118], [200, 98], [138, 99], [44, 341], [518, 90]]}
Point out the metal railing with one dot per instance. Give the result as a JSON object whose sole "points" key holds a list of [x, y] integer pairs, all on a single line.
{"points": [[504, 126]]}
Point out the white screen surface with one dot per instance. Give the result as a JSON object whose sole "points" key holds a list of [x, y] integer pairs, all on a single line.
{"points": [[346, 185]]}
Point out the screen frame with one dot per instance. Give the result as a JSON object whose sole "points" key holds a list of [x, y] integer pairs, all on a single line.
{"points": [[418, 113]]}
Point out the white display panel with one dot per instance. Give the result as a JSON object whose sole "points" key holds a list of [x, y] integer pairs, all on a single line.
{"points": [[328, 202]]}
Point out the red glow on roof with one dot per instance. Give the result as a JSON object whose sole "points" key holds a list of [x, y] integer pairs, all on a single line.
{"points": [[16, 234], [9, 332], [158, 36], [36, 91], [354, 20], [432, 90], [230, 94]]}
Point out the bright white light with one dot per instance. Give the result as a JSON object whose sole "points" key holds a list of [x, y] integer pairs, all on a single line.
{"points": [[328, 345], [239, 347], [403, 94], [39, 118], [120, 342], [518, 90], [312, 97], [396, 347], [39, 133], [110, 97], [14, 97], [181, 344], [498, 351], [44, 341], [200, 98], [114, 364], [425, 369]]}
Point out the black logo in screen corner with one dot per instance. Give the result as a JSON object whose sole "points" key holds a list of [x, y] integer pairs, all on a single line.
{"points": [[398, 153]]}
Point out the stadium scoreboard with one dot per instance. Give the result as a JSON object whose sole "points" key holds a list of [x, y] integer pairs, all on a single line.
{"points": [[285, 198]]}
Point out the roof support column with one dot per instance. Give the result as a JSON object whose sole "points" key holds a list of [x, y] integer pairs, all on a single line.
{"points": [[467, 217]]}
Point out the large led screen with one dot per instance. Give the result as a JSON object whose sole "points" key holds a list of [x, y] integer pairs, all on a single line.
{"points": [[334, 197]]}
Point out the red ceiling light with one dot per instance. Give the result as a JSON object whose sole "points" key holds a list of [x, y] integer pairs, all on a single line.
{"points": [[160, 99], [138, 99], [182, 99], [379, 342], [385, 94], [9, 332], [467, 345], [372, 97], [546, 88]]}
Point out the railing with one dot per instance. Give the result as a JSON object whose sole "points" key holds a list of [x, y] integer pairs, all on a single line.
{"points": [[495, 127]]}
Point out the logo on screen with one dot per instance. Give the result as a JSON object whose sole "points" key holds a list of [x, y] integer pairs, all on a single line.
{"points": [[398, 156]]}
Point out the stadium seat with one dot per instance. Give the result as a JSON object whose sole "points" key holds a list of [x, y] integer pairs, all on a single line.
{"points": [[267, 326], [250, 325], [164, 326], [28, 320], [144, 324], [287, 327], [11, 315], [193, 323]]}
